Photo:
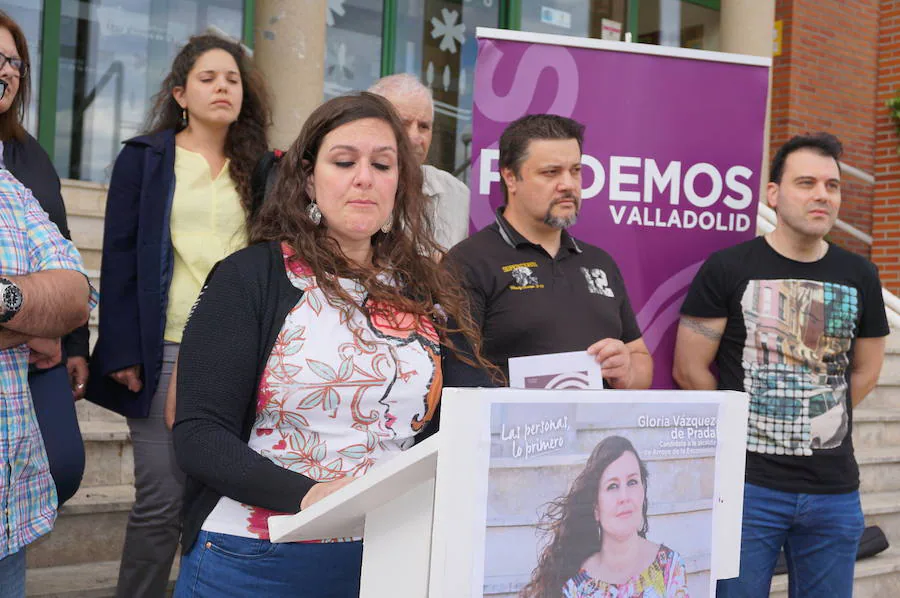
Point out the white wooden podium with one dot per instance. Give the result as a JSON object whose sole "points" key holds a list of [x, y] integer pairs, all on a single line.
{"points": [[391, 507], [423, 517]]}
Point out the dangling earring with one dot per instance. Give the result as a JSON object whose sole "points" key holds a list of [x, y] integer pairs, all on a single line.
{"points": [[184, 117], [386, 227], [314, 213]]}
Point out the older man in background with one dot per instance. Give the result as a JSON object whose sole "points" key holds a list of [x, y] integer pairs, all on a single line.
{"points": [[448, 195]]}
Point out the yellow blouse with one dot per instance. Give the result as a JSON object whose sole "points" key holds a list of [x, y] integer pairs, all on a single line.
{"points": [[207, 224]]}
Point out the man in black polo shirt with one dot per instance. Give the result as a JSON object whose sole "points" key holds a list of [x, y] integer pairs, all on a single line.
{"points": [[535, 289]]}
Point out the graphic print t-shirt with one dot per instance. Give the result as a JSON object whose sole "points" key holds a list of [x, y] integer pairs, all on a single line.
{"points": [[788, 343]]}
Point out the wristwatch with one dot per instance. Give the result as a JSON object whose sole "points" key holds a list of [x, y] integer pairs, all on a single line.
{"points": [[10, 299]]}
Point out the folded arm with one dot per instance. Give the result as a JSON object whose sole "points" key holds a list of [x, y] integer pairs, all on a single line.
{"points": [[54, 302]]}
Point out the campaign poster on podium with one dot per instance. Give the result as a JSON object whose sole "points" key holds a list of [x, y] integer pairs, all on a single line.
{"points": [[586, 493], [573, 487], [672, 156]]}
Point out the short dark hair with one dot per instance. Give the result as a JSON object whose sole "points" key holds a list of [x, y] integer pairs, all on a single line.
{"points": [[824, 144], [516, 137]]}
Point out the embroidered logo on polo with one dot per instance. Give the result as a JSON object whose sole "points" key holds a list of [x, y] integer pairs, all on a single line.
{"points": [[524, 277], [597, 282]]}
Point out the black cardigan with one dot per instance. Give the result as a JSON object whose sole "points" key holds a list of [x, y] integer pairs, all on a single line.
{"points": [[30, 164], [224, 350]]}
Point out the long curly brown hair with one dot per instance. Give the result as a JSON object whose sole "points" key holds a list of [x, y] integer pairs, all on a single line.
{"points": [[415, 283], [570, 522], [246, 141]]}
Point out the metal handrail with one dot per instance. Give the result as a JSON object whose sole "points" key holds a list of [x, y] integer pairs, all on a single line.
{"points": [[857, 173], [765, 222]]}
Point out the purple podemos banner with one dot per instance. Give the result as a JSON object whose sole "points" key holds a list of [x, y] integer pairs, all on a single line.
{"points": [[672, 154]]}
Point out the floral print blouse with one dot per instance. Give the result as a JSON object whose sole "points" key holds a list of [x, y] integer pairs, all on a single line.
{"points": [[338, 394], [664, 578]]}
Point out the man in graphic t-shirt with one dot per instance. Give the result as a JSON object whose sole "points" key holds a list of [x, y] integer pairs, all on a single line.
{"points": [[799, 324]]}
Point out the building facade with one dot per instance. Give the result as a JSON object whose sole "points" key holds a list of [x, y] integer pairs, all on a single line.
{"points": [[838, 65], [97, 63]]}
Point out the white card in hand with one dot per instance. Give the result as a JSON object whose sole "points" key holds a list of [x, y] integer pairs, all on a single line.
{"points": [[575, 369]]}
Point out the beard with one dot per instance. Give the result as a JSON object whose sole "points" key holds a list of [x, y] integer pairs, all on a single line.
{"points": [[562, 222]]}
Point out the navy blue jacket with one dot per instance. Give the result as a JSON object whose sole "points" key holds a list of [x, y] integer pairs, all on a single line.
{"points": [[135, 272]]}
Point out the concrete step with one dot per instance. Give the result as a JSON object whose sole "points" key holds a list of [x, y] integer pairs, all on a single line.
{"points": [[883, 509], [874, 427], [879, 469], [87, 411], [87, 232], [85, 208], [92, 580], [875, 577], [893, 341], [90, 528], [890, 370], [883, 396], [83, 198], [90, 257], [109, 460]]}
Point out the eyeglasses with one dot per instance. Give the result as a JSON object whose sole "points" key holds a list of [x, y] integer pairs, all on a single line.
{"points": [[17, 63]]}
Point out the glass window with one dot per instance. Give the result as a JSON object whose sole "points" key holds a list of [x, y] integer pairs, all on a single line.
{"points": [[678, 23], [28, 14], [601, 19], [114, 55], [435, 40], [352, 45]]}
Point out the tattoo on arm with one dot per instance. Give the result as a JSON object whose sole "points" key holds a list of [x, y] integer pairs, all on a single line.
{"points": [[700, 328]]}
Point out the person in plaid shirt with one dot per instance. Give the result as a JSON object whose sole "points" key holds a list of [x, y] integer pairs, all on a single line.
{"points": [[44, 294]]}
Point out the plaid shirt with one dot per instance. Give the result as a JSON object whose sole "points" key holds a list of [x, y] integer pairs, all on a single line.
{"points": [[29, 243]]}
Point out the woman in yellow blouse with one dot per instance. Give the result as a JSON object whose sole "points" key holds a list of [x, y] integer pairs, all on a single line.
{"points": [[179, 201]]}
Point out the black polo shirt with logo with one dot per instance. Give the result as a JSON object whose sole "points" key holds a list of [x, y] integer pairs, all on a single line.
{"points": [[529, 303]]}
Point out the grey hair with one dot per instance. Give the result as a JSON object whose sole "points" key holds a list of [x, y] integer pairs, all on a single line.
{"points": [[401, 84]]}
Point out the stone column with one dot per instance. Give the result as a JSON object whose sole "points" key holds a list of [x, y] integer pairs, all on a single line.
{"points": [[746, 28], [289, 49]]}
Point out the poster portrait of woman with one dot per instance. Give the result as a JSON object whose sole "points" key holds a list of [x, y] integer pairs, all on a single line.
{"points": [[598, 546]]}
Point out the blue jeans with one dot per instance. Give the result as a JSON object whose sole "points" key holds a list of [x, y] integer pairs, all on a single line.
{"points": [[819, 532], [226, 566], [12, 575]]}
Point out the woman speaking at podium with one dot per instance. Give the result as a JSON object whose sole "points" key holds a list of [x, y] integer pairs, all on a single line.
{"points": [[599, 547], [311, 356]]}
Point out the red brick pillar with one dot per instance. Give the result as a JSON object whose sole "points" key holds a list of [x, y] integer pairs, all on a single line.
{"points": [[886, 203], [825, 80]]}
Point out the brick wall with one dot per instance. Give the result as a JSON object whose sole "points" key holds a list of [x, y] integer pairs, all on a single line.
{"points": [[886, 201], [825, 80]]}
